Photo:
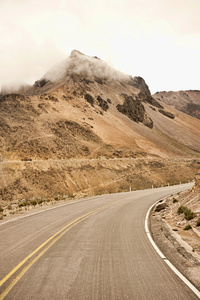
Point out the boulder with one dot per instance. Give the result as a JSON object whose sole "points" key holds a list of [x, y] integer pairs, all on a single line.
{"points": [[160, 206]]}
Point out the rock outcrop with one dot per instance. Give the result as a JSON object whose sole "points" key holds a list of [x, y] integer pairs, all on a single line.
{"points": [[134, 109]]}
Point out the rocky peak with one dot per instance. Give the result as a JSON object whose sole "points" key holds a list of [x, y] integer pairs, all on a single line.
{"points": [[76, 53], [140, 84]]}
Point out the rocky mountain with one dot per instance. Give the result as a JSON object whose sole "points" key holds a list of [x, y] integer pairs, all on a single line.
{"points": [[185, 101], [85, 128]]}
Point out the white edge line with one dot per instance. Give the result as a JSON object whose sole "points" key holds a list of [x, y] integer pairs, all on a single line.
{"points": [[173, 268]]}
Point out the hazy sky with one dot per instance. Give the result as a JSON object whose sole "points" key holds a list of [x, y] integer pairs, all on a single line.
{"points": [[158, 39]]}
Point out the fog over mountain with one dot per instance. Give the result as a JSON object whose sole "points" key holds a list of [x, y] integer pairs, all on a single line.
{"points": [[157, 40], [84, 128]]}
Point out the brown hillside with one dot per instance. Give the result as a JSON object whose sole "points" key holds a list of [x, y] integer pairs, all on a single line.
{"points": [[87, 128], [185, 101]]}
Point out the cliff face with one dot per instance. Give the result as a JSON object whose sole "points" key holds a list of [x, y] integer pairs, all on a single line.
{"points": [[84, 118]]}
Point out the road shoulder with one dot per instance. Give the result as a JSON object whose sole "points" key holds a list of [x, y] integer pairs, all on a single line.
{"points": [[176, 252]]}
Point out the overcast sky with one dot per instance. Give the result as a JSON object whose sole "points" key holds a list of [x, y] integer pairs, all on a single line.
{"points": [[158, 39]]}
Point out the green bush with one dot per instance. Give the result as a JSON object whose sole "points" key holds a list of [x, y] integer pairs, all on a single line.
{"points": [[181, 209], [187, 227], [198, 222], [1, 209], [175, 200], [33, 202], [24, 203], [189, 215]]}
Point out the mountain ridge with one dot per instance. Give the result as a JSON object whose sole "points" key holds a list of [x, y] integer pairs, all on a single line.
{"points": [[187, 101], [57, 130]]}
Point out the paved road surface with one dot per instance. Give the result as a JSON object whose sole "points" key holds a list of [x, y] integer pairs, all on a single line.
{"points": [[92, 249]]}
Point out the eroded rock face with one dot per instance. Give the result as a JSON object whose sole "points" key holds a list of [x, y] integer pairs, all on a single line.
{"points": [[102, 103], [89, 99], [40, 83], [166, 113], [140, 84], [98, 101], [134, 110]]}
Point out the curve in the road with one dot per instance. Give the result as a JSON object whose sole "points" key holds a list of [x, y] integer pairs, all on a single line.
{"points": [[94, 249]]}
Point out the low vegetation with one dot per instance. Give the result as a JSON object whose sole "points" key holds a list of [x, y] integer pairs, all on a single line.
{"points": [[24, 203], [188, 213], [187, 227], [175, 200], [33, 202], [181, 209]]}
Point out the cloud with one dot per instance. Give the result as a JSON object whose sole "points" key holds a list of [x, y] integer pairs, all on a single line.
{"points": [[138, 37], [78, 63]]}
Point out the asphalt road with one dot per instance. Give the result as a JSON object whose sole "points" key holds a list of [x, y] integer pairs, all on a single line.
{"points": [[95, 248]]}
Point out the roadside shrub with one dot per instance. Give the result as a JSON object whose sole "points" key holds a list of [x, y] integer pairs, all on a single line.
{"points": [[1, 209], [187, 227], [24, 203], [175, 200], [181, 209], [9, 207], [189, 215], [40, 201], [198, 222], [33, 202]]}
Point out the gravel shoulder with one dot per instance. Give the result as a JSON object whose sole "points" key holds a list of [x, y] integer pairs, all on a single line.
{"points": [[181, 254]]}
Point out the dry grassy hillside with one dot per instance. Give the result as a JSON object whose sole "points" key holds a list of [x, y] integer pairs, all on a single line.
{"points": [[91, 130]]}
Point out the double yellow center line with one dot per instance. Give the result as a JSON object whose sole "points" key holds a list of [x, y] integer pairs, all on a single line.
{"points": [[42, 249]]}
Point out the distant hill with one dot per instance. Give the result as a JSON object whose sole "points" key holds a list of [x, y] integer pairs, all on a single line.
{"points": [[185, 101], [86, 128]]}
